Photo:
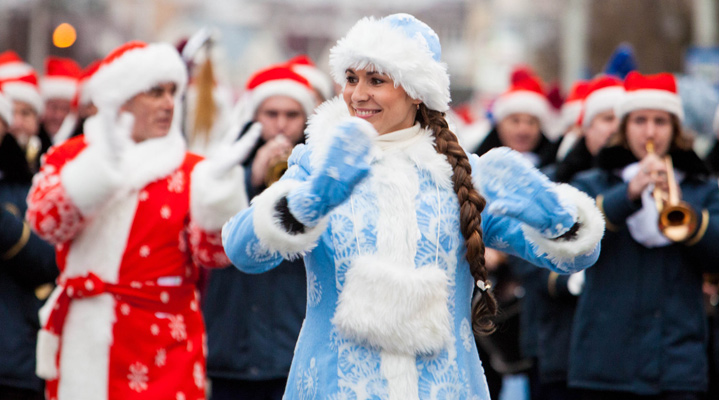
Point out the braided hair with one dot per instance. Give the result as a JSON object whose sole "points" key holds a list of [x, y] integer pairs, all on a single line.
{"points": [[471, 204]]}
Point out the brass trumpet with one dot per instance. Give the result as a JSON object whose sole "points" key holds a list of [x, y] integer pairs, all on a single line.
{"points": [[677, 219], [277, 168]]}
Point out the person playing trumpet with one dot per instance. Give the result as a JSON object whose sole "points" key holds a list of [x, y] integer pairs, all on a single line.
{"points": [[639, 329]]}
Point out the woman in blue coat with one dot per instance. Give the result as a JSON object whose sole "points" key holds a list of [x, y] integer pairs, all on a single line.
{"points": [[384, 206], [640, 329]]}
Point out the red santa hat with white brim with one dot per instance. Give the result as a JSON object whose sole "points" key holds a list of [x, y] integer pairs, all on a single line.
{"points": [[525, 95], [5, 110], [650, 92], [320, 81], [134, 68], [276, 80], [61, 78], [603, 93], [19, 81], [400, 46]]}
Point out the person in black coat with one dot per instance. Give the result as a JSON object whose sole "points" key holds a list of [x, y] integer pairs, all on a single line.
{"points": [[27, 271], [639, 330], [253, 321]]}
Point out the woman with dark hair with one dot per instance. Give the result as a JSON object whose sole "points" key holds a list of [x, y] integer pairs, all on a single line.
{"points": [[385, 207], [639, 330]]}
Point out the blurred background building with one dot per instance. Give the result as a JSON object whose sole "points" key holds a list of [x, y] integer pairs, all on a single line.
{"points": [[563, 40]]}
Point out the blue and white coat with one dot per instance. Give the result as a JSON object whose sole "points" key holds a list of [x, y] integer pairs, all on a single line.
{"points": [[388, 286]]}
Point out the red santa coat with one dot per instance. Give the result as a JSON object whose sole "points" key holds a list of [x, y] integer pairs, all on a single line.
{"points": [[128, 251]]}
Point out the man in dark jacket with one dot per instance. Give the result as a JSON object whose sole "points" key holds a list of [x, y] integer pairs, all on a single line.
{"points": [[27, 270], [253, 321]]}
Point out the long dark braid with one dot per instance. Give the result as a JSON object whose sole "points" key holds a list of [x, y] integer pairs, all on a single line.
{"points": [[471, 204]]}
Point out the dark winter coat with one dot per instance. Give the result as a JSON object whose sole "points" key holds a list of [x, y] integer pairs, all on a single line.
{"points": [[27, 267], [640, 325], [253, 320]]}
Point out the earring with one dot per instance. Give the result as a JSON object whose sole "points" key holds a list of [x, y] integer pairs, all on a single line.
{"points": [[418, 106]]}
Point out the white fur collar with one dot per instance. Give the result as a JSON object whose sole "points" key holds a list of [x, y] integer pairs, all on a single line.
{"points": [[150, 160], [415, 143]]}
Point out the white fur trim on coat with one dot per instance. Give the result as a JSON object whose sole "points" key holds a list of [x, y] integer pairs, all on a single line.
{"points": [[90, 179], [214, 200], [269, 229], [400, 310], [376, 44], [588, 236]]}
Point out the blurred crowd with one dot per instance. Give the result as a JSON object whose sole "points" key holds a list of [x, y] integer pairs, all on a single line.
{"points": [[644, 321]]}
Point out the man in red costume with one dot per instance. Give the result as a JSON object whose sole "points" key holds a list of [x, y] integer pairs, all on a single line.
{"points": [[132, 214]]}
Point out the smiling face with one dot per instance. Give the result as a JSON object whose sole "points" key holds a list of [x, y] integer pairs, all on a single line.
{"points": [[153, 111], [373, 96]]}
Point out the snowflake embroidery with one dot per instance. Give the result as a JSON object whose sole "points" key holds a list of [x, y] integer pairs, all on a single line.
{"points": [[180, 396], [198, 374], [137, 378], [314, 290], [189, 346], [143, 195], [307, 382], [165, 212], [154, 329], [176, 182], [160, 358], [125, 309], [178, 329], [144, 251], [498, 243]]}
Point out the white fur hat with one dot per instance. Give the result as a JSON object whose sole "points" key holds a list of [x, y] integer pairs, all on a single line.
{"points": [[401, 46], [133, 68]]}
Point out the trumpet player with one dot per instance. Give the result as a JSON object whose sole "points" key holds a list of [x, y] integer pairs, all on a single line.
{"points": [[253, 320], [639, 330]]}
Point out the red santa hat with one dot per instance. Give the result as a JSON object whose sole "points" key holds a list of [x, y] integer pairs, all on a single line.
{"points": [[320, 81], [19, 80], [278, 80], [572, 106], [61, 78], [11, 65], [134, 68], [401, 46], [655, 92], [525, 95], [5, 110], [603, 94], [23, 88]]}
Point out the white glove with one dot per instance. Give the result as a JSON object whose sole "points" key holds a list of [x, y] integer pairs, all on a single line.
{"points": [[575, 283], [111, 134], [225, 159]]}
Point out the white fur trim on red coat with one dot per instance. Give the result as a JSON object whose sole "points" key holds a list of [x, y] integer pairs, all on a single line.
{"points": [[214, 200], [268, 226], [90, 179], [400, 310], [588, 236]]}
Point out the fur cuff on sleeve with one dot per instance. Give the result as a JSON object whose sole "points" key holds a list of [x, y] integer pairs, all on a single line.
{"points": [[90, 179], [587, 238], [269, 228], [213, 200]]}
